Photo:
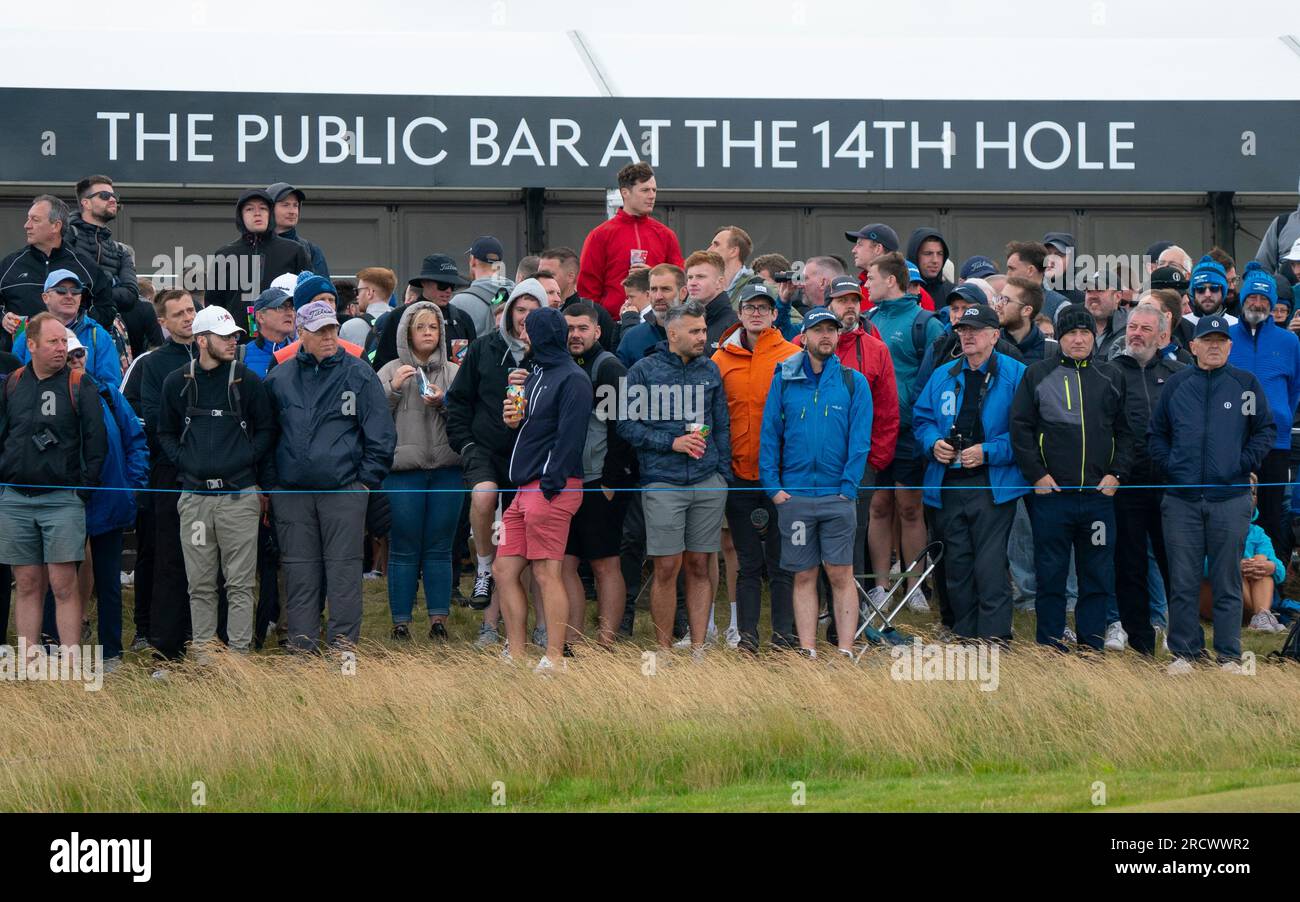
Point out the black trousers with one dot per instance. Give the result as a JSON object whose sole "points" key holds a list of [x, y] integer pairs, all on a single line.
{"points": [[946, 615], [268, 587], [975, 532], [1137, 521], [169, 612], [755, 551], [1272, 500], [144, 542]]}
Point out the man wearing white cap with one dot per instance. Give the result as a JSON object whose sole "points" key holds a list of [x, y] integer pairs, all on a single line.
{"points": [[216, 426]]}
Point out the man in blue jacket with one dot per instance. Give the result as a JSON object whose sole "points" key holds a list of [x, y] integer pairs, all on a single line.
{"points": [[62, 297], [546, 464], [677, 421], [335, 445], [812, 454], [1210, 431], [962, 422], [1273, 355]]}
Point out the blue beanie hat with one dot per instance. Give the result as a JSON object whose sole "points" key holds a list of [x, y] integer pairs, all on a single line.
{"points": [[1208, 272], [1254, 280], [309, 287]]}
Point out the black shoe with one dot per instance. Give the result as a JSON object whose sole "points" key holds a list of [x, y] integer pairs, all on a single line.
{"points": [[568, 650], [748, 645], [402, 632], [458, 599], [482, 594], [438, 631]]}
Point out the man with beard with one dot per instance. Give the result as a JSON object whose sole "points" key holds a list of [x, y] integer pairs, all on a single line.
{"points": [[1022, 301], [813, 452], [1273, 355], [1144, 371], [88, 234], [1208, 291], [1101, 298]]}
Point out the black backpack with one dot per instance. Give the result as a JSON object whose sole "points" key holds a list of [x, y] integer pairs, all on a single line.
{"points": [[923, 316]]}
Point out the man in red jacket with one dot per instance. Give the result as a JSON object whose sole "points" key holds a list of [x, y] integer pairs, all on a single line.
{"points": [[861, 349], [629, 240]]}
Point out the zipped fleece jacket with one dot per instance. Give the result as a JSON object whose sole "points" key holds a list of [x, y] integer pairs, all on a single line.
{"points": [[1142, 389], [560, 397], [1203, 439], [937, 407], [816, 435], [1069, 420], [663, 395], [607, 250], [1273, 355]]}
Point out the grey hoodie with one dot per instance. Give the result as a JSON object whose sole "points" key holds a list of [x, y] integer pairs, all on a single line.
{"points": [[422, 442]]}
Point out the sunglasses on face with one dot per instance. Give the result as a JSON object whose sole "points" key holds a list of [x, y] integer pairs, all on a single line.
{"points": [[60, 289], [104, 195], [1208, 289]]}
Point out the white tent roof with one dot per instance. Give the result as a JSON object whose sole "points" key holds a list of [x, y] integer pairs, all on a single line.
{"points": [[838, 49]]}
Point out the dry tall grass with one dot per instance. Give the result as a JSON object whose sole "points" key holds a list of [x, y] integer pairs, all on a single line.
{"points": [[425, 729]]}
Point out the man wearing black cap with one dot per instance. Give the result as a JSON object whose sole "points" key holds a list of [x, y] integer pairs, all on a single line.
{"points": [[489, 286], [1072, 442], [869, 242], [288, 207], [1172, 278], [1210, 431], [962, 423], [245, 267], [1059, 272], [437, 280]]}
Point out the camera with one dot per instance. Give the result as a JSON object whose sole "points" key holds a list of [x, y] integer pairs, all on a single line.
{"points": [[44, 439], [789, 275], [959, 444]]}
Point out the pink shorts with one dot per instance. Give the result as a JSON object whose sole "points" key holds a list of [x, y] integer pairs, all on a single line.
{"points": [[536, 529]]}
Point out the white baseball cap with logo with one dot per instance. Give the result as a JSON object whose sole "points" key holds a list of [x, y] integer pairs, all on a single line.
{"points": [[1293, 256], [217, 320]]}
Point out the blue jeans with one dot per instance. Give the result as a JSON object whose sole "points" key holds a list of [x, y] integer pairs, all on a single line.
{"points": [[1156, 591], [424, 528], [1082, 522]]}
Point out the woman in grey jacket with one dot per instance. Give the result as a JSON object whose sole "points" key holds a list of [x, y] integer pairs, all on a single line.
{"points": [[425, 468]]}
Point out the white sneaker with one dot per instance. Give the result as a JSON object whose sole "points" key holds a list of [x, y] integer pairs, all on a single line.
{"points": [[1231, 667], [711, 634], [1116, 638], [547, 667], [697, 655], [918, 604], [684, 641], [1069, 637], [128, 577], [1266, 622], [372, 575], [877, 596], [1179, 667], [486, 636], [733, 637]]}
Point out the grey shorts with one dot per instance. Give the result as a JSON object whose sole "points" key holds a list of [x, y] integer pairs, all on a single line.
{"points": [[684, 518], [816, 530], [41, 529]]}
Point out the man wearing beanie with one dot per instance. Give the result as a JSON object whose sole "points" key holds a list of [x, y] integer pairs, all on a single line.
{"points": [[1208, 291], [258, 254], [1273, 355], [1073, 444]]}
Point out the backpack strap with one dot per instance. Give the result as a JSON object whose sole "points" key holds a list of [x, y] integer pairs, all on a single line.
{"points": [[74, 386], [923, 317]]}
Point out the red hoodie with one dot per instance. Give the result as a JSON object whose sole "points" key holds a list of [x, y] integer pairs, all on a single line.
{"points": [[927, 302], [864, 351], [607, 256]]}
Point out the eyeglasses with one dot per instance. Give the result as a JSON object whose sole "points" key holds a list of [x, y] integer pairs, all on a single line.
{"points": [[755, 308], [1209, 289], [59, 289], [104, 195]]}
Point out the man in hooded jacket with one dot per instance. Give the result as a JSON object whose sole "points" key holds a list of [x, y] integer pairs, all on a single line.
{"points": [[929, 251], [275, 255]]}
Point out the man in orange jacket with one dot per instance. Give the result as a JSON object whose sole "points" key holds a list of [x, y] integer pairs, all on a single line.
{"points": [[630, 240], [748, 355]]}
